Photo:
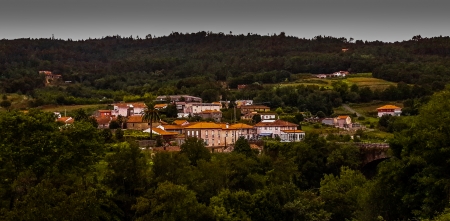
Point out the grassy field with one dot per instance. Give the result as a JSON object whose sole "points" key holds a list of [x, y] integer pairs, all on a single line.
{"points": [[370, 109], [361, 79]]}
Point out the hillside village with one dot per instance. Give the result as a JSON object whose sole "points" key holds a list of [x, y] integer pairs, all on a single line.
{"points": [[261, 122]]}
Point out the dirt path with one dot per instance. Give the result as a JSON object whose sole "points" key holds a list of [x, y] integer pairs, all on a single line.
{"points": [[346, 107]]}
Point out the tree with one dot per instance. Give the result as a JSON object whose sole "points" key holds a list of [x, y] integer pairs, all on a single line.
{"points": [[195, 150], [119, 134], [171, 202], [150, 115], [5, 104], [341, 193], [256, 118], [243, 147], [308, 206], [126, 175]]}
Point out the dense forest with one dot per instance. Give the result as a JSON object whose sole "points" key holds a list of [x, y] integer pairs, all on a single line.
{"points": [[206, 64], [51, 171]]}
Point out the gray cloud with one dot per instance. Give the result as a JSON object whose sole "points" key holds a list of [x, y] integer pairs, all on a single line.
{"points": [[393, 20]]}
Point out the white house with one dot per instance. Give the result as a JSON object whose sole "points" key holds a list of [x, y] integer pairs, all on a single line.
{"points": [[389, 109]]}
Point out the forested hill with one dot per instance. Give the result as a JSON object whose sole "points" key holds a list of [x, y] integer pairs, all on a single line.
{"points": [[139, 65]]}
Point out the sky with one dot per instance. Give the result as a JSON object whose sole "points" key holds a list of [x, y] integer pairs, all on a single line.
{"points": [[383, 20]]}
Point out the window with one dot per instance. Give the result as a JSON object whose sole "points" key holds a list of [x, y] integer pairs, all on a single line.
{"points": [[189, 133]]}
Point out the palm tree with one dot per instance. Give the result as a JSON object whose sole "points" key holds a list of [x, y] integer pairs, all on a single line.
{"points": [[149, 115]]}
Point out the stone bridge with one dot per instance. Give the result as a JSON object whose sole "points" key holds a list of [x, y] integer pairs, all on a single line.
{"points": [[373, 151]]}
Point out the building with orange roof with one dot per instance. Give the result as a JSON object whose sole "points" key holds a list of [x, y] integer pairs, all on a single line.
{"points": [[103, 121], [65, 120], [160, 106], [136, 123], [389, 110], [172, 128], [273, 128], [292, 135], [208, 131], [344, 121], [181, 122]]}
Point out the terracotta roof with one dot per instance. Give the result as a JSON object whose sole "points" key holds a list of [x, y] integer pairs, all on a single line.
{"points": [[180, 122], [241, 126], [389, 107], [293, 131], [342, 117], [276, 123], [67, 120], [204, 125], [172, 127], [160, 105], [121, 105], [141, 105], [103, 120], [135, 119], [104, 111], [161, 131]]}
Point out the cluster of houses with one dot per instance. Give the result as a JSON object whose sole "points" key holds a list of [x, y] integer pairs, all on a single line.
{"points": [[339, 74], [215, 134]]}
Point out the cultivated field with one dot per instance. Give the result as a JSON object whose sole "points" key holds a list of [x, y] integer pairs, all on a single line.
{"points": [[362, 80]]}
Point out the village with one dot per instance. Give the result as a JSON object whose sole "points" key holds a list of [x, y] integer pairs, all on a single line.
{"points": [[217, 136]]}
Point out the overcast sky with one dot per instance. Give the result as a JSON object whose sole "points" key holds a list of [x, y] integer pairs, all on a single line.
{"points": [[384, 20]]}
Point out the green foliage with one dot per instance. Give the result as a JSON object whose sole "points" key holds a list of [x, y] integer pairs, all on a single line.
{"points": [[341, 193], [243, 147], [195, 150], [171, 202], [126, 175]]}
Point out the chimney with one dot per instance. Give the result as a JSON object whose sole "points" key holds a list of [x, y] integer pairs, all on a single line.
{"points": [[227, 125]]}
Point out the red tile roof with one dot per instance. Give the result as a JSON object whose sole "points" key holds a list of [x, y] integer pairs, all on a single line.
{"points": [[204, 125], [135, 119]]}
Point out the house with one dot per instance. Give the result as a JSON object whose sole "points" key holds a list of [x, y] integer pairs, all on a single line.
{"points": [[166, 135], [103, 113], [389, 109], [181, 122], [195, 108], [129, 109], [103, 121], [273, 128], [268, 116], [172, 128], [292, 135], [160, 106], [50, 77], [209, 132], [136, 123], [253, 108], [344, 121], [65, 120], [240, 103], [216, 115]]}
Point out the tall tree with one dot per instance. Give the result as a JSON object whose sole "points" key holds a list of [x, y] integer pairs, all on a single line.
{"points": [[150, 115]]}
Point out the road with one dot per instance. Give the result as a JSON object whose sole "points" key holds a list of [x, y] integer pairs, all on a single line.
{"points": [[346, 107]]}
